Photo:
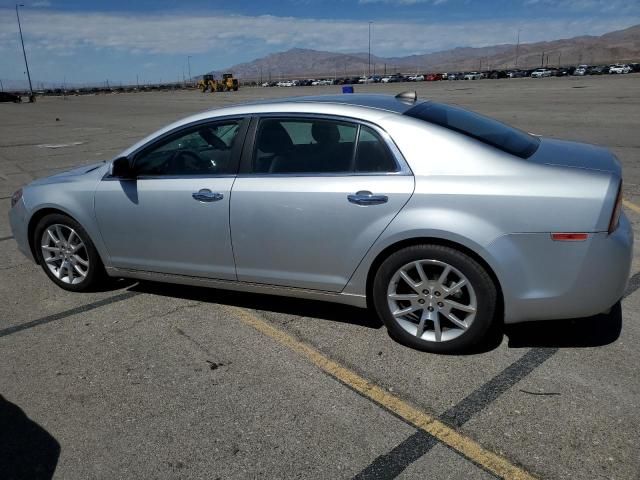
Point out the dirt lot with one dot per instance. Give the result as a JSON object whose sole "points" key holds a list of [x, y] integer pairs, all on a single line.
{"points": [[159, 381]]}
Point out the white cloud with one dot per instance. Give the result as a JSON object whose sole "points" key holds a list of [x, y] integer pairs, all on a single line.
{"points": [[41, 4], [62, 33]]}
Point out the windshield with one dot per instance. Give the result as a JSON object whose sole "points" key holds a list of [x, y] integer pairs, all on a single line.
{"points": [[487, 130]]}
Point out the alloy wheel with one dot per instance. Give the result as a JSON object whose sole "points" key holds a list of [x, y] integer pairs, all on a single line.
{"points": [[432, 300], [65, 254]]}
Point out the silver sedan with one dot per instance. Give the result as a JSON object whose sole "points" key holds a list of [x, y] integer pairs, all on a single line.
{"points": [[441, 220]]}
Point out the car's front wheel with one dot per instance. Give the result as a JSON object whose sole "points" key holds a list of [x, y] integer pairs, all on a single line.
{"points": [[67, 254], [434, 298]]}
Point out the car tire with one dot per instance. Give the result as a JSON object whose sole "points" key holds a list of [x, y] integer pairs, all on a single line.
{"points": [[477, 297], [79, 267]]}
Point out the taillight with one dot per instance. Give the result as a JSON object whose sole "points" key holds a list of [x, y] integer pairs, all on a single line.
{"points": [[617, 210]]}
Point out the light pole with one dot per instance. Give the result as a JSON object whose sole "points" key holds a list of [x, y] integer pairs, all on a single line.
{"points": [[370, 23], [189, 67], [518, 46], [24, 53]]}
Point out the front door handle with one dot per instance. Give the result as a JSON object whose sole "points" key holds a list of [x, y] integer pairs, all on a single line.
{"points": [[365, 197], [206, 195]]}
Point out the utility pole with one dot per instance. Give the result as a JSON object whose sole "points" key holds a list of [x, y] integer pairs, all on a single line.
{"points": [[189, 67], [370, 23], [24, 53], [542, 61], [518, 46]]}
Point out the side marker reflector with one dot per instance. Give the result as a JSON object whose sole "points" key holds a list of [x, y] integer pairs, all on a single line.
{"points": [[569, 237]]}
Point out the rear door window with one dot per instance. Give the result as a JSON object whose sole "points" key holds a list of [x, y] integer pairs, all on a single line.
{"points": [[298, 146], [319, 146]]}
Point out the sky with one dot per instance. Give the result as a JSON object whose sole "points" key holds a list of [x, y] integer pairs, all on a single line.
{"points": [[91, 42]]}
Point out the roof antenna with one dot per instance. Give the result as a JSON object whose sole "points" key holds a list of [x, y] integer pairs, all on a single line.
{"points": [[408, 96]]}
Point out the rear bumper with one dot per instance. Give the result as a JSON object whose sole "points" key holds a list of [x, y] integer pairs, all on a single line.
{"points": [[545, 280], [18, 219]]}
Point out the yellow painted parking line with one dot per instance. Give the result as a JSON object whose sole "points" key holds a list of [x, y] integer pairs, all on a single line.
{"points": [[631, 206], [471, 449]]}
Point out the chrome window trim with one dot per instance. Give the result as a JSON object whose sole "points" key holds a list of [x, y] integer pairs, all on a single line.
{"points": [[401, 163], [109, 178], [186, 177], [320, 175]]}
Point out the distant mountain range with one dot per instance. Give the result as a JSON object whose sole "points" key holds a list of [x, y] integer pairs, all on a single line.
{"points": [[618, 46]]}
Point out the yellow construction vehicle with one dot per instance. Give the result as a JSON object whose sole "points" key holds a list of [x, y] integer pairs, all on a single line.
{"points": [[209, 83], [229, 83]]}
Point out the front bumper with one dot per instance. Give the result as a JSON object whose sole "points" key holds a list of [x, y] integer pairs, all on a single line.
{"points": [[545, 280], [19, 221]]}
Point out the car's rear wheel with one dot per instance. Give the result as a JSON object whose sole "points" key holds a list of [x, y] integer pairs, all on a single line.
{"points": [[67, 254], [434, 298]]}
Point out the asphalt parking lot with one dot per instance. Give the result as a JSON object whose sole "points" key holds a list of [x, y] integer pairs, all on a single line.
{"points": [[145, 380]]}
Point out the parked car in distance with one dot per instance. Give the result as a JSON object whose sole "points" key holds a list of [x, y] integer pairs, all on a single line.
{"points": [[497, 74], [581, 71], [433, 77], [541, 73], [619, 69], [416, 78], [392, 79], [442, 251], [473, 76], [515, 74], [597, 70], [10, 97]]}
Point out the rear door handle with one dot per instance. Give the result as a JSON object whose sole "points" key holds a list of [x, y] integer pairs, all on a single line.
{"points": [[365, 197], [206, 195]]}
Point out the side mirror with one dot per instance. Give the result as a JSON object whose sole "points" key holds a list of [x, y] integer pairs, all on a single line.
{"points": [[121, 168]]}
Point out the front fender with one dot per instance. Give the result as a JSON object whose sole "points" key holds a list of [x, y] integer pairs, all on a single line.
{"points": [[72, 199]]}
